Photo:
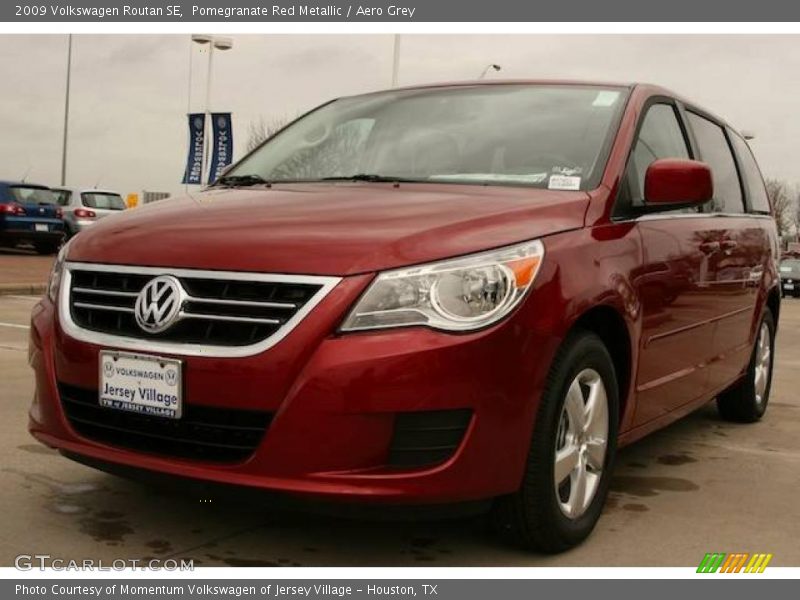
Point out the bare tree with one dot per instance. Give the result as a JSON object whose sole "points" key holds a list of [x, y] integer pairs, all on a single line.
{"points": [[796, 214], [261, 130], [337, 153], [782, 205]]}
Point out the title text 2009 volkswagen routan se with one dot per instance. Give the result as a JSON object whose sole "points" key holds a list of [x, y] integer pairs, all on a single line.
{"points": [[422, 296]]}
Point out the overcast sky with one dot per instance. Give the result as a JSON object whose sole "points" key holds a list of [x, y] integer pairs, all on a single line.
{"points": [[130, 92]]}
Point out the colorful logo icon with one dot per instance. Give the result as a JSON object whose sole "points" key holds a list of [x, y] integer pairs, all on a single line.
{"points": [[741, 562]]}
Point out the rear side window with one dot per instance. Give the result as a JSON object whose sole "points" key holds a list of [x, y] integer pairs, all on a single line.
{"points": [[716, 153], [660, 136], [753, 181]]}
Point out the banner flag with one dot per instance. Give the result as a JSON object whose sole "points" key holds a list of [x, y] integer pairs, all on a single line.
{"points": [[194, 161], [222, 152]]}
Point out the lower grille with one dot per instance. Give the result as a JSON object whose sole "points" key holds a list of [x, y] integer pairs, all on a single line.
{"points": [[203, 433], [427, 438]]}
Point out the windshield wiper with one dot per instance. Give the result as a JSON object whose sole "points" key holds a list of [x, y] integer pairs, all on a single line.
{"points": [[241, 180], [370, 177]]}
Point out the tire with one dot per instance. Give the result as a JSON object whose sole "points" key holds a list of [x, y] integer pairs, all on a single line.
{"points": [[536, 516], [746, 401]]}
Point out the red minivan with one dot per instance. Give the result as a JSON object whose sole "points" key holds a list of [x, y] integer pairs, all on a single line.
{"points": [[432, 295]]}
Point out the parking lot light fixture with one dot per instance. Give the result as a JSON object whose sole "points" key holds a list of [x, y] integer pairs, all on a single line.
{"points": [[490, 67]]}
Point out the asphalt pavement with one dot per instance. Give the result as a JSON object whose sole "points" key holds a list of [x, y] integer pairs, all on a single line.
{"points": [[701, 485]]}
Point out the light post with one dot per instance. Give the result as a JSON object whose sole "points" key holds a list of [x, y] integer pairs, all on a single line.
{"points": [[396, 60], [213, 43], [66, 113], [488, 68]]}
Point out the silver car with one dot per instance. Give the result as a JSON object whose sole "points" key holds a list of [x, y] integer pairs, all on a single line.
{"points": [[83, 208]]}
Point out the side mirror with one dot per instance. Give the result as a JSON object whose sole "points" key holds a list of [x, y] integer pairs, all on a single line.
{"points": [[675, 182]]}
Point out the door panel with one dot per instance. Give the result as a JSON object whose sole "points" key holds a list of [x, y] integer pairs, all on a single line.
{"points": [[678, 313], [739, 266]]}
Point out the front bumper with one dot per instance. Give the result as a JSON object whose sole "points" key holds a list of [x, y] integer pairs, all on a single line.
{"points": [[335, 403]]}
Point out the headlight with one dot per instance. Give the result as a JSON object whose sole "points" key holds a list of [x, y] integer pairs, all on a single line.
{"points": [[55, 273], [455, 295]]}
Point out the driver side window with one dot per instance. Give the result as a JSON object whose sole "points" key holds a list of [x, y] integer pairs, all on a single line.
{"points": [[660, 136]]}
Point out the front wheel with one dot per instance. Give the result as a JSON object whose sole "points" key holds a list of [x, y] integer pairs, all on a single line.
{"points": [[746, 401], [572, 451]]}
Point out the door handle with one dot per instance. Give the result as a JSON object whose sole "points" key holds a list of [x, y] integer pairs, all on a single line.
{"points": [[709, 247]]}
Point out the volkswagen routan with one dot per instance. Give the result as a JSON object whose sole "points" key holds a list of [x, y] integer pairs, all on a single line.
{"points": [[438, 295]]}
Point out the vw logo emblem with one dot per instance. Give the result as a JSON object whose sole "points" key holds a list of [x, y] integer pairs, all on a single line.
{"points": [[171, 377], [159, 304]]}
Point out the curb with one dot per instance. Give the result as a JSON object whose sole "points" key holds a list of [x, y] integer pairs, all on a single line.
{"points": [[22, 289]]}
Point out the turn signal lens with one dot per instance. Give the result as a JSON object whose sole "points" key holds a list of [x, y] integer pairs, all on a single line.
{"points": [[461, 294]]}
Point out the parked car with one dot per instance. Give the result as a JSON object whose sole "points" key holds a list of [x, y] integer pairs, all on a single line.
{"points": [[29, 215], [790, 276], [436, 295], [84, 207]]}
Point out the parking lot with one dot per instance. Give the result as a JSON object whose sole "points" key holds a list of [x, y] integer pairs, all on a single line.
{"points": [[701, 485], [24, 268]]}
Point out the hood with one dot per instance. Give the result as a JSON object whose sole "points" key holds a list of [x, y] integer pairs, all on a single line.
{"points": [[327, 229]]}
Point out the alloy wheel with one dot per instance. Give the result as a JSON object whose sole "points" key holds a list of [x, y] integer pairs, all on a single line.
{"points": [[763, 362], [581, 443]]}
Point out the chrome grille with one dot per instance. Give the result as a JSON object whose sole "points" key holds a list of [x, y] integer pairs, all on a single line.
{"points": [[223, 313]]}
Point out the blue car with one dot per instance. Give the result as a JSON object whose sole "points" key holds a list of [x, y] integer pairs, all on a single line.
{"points": [[29, 214]]}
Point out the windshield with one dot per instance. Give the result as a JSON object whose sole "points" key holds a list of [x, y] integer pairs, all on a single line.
{"points": [[543, 136], [32, 195], [103, 200], [790, 265]]}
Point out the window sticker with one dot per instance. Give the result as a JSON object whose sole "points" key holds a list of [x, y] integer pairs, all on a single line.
{"points": [[567, 170], [564, 182], [605, 98]]}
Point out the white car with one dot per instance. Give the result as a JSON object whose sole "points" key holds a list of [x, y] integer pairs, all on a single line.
{"points": [[84, 207]]}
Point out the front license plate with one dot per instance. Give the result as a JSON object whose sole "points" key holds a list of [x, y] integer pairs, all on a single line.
{"points": [[788, 286], [41, 227], [139, 383]]}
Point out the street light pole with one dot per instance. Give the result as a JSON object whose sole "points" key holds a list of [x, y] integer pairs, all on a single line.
{"points": [[66, 113], [207, 136], [396, 60]]}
